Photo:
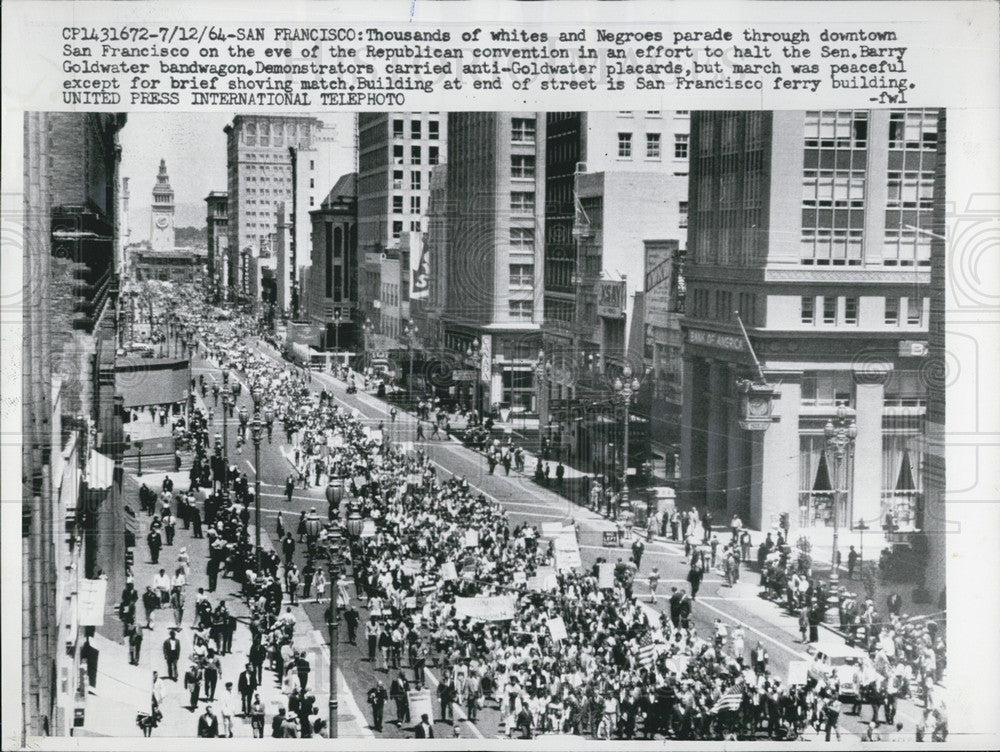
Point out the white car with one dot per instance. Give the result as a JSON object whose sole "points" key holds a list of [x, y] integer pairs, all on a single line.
{"points": [[840, 663]]}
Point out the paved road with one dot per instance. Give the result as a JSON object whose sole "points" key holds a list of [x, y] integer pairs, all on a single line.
{"points": [[525, 502]]}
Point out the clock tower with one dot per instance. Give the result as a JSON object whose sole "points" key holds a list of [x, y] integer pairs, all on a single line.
{"points": [[161, 230]]}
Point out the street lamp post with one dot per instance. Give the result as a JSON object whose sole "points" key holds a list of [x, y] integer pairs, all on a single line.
{"points": [[333, 619], [410, 330], [369, 329], [625, 389], [255, 433], [541, 374], [839, 440], [226, 396], [138, 448], [336, 330], [473, 351]]}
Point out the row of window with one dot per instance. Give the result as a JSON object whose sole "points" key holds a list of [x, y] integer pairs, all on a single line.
{"points": [[653, 143], [416, 154], [416, 129], [844, 310], [397, 228], [651, 113], [416, 180], [397, 204]]}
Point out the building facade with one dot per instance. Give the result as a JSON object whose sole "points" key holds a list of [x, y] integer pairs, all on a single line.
{"points": [[613, 181], [333, 277], [73, 527], [217, 223], [496, 163], [813, 227], [262, 171], [396, 155]]}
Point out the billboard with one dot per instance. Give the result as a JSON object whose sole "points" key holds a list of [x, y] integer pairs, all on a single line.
{"points": [[611, 298]]}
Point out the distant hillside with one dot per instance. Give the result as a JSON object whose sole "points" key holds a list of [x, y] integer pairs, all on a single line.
{"points": [[191, 237]]}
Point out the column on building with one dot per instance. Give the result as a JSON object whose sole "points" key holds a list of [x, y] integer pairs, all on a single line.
{"points": [[737, 467], [717, 439], [692, 433], [775, 460], [867, 486]]}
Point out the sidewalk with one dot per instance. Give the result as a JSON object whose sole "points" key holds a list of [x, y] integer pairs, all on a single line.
{"points": [[124, 690]]}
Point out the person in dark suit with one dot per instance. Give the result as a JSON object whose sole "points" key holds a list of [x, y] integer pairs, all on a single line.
{"points": [[172, 654], [208, 724], [377, 697], [246, 685], [192, 683], [447, 693], [675, 607], [424, 729]]}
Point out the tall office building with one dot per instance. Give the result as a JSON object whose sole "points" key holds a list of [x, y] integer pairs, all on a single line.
{"points": [[73, 517], [397, 152], [614, 180], [217, 222], [814, 226], [333, 278], [263, 170], [496, 165]]}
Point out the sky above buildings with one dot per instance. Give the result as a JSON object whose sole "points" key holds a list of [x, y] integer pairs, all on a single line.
{"points": [[194, 146]]}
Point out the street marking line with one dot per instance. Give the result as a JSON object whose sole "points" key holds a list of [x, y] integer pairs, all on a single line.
{"points": [[352, 704], [456, 709]]}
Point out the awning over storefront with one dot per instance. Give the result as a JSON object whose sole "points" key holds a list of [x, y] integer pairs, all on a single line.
{"points": [[100, 471], [147, 381]]}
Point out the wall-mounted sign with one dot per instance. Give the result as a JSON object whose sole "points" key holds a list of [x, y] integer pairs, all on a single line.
{"points": [[910, 349], [715, 339], [611, 298]]}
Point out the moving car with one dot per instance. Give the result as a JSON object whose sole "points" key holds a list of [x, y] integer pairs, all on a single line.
{"points": [[839, 663]]}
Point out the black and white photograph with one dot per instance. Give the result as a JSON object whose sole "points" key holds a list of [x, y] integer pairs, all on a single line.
{"points": [[525, 428], [614, 425]]}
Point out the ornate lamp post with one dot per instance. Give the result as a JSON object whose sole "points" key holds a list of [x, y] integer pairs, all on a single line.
{"points": [[839, 440], [138, 448], [861, 526], [337, 316], [473, 351], [335, 543], [410, 330], [369, 329], [542, 368], [226, 396], [255, 433], [625, 388]]}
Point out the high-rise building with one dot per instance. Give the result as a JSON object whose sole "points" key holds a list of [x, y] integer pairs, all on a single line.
{"points": [[396, 153], [496, 165], [161, 222], [217, 222], [263, 170], [333, 277], [814, 227], [614, 180], [74, 529]]}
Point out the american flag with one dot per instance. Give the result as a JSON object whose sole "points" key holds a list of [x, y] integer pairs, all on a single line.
{"points": [[647, 650], [729, 701]]}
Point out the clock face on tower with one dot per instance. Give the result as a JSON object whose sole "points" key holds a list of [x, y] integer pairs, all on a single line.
{"points": [[757, 407], [161, 222]]}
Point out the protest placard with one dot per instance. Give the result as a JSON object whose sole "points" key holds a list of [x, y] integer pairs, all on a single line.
{"points": [[605, 575], [486, 607], [557, 628]]}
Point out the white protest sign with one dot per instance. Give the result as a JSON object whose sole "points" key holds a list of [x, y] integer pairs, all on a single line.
{"points": [[798, 673], [520, 578], [420, 703], [557, 628], [448, 571], [544, 579], [605, 575], [368, 529], [472, 539], [567, 552], [486, 608]]}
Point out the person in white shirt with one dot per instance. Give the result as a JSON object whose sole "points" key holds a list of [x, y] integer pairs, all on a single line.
{"points": [[227, 709], [162, 584]]}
